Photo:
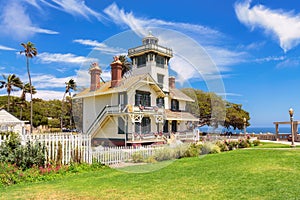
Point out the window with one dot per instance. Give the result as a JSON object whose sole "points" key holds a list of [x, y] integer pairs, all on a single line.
{"points": [[121, 125], [174, 105], [141, 61], [142, 98], [144, 127], [160, 102], [160, 61], [122, 99], [160, 80]]}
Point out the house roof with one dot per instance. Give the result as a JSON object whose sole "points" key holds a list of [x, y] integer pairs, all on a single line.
{"points": [[7, 118], [180, 116], [125, 85], [177, 94]]}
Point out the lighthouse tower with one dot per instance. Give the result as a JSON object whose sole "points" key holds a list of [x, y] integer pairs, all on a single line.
{"points": [[152, 58]]}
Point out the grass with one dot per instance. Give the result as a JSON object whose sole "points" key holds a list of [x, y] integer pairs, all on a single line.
{"points": [[270, 145], [239, 174]]}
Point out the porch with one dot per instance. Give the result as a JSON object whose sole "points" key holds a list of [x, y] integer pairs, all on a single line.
{"points": [[162, 138]]}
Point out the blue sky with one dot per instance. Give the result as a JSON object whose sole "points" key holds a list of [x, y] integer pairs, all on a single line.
{"points": [[253, 45]]}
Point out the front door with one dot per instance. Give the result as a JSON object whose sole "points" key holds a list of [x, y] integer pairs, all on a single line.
{"points": [[174, 126]]}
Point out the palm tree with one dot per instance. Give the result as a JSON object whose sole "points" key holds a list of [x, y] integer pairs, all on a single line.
{"points": [[9, 83], [30, 51], [70, 85], [126, 65], [25, 90]]}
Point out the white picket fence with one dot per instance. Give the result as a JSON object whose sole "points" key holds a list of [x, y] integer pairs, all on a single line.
{"points": [[114, 155], [64, 146], [68, 148]]}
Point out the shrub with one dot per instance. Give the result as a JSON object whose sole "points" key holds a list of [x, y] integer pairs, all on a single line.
{"points": [[232, 144], [150, 159], [179, 151], [256, 142], [9, 174], [209, 147], [163, 154], [244, 143], [137, 157], [76, 156], [32, 154], [193, 150], [59, 154], [223, 146]]}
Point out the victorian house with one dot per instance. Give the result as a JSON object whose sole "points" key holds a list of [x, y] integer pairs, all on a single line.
{"points": [[144, 107]]}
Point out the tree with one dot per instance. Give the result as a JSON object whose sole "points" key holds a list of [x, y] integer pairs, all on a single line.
{"points": [[25, 89], [235, 116], [126, 64], [42, 110], [70, 85], [213, 111], [9, 83], [30, 51], [208, 107]]}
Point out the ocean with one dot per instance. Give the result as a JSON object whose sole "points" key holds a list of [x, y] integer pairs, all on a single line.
{"points": [[257, 130], [268, 129]]}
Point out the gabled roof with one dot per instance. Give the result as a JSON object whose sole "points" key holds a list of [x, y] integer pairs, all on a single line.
{"points": [[177, 94], [125, 85], [7, 118]]}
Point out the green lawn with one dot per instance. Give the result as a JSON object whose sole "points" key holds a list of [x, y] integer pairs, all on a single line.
{"points": [[239, 174], [272, 145]]}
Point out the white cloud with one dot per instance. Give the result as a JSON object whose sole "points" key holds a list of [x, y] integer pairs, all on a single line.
{"points": [[6, 48], [229, 94], [184, 73], [64, 58], [252, 46], [285, 26], [210, 39], [48, 86], [41, 81], [143, 26], [48, 94], [33, 3], [101, 47], [83, 77], [16, 23], [224, 57], [74, 7], [271, 58], [41, 94], [288, 63]]}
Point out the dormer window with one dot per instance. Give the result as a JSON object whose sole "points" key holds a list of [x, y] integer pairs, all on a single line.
{"points": [[160, 61], [160, 80], [141, 61], [142, 98]]}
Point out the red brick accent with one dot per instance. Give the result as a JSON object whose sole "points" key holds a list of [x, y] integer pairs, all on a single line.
{"points": [[172, 82], [116, 73]]}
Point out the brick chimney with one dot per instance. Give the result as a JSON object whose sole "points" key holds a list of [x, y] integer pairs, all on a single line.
{"points": [[95, 72], [116, 72], [172, 82]]}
